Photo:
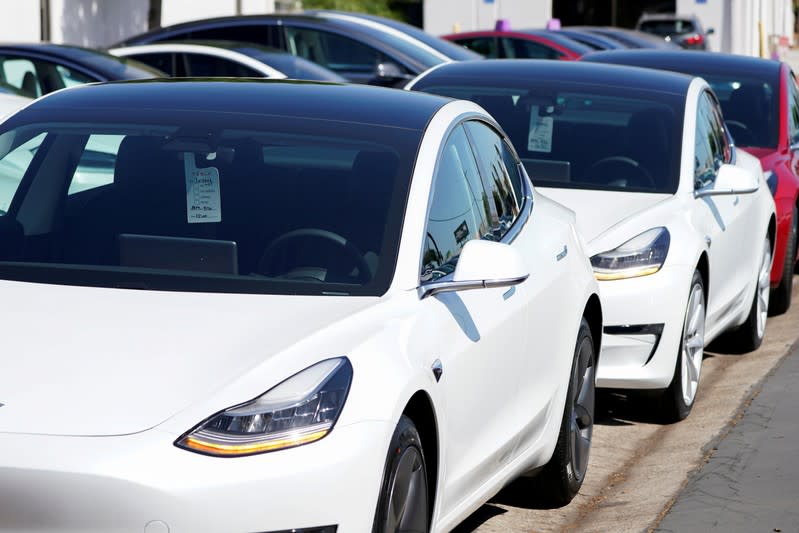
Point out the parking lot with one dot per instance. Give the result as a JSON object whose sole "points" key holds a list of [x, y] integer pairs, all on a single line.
{"points": [[638, 466]]}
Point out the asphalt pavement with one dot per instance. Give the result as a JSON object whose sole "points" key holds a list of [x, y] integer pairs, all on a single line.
{"points": [[751, 481]]}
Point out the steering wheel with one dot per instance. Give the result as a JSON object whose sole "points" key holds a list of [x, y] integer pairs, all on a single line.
{"points": [[269, 255], [623, 170]]}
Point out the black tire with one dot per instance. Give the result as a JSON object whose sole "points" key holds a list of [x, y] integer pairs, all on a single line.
{"points": [[749, 336], [781, 295], [673, 405], [560, 480], [403, 502]]}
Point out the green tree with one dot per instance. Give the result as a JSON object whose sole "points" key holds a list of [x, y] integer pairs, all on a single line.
{"points": [[375, 7]]}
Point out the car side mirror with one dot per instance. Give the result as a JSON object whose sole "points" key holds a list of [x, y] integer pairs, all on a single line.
{"points": [[710, 31], [731, 180], [482, 265], [389, 73]]}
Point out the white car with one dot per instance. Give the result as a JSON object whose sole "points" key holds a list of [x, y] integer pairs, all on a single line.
{"points": [[678, 223], [204, 59], [283, 314]]}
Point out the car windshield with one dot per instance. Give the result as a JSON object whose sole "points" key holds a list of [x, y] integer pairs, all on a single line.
{"points": [[750, 108], [668, 27], [202, 201], [583, 136]]}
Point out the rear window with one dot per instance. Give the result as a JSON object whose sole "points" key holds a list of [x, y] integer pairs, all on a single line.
{"points": [[203, 202], [583, 136], [668, 27]]}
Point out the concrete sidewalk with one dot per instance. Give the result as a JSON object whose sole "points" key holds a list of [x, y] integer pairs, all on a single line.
{"points": [[751, 482]]}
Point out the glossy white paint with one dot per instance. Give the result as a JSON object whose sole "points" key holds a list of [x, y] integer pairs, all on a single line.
{"points": [[729, 230], [91, 414], [199, 49]]}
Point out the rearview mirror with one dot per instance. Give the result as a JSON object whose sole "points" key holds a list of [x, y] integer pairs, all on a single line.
{"points": [[389, 73], [482, 265], [731, 180]]}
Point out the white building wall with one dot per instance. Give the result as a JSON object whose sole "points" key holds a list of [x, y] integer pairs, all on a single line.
{"points": [[175, 11], [96, 23], [448, 16], [20, 22]]}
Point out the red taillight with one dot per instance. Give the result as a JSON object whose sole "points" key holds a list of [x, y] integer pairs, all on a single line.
{"points": [[693, 40]]}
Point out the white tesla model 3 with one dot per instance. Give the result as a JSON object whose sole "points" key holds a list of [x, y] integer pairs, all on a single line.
{"points": [[282, 312], [678, 223]]}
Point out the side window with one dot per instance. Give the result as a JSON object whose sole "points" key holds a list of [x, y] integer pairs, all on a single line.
{"points": [[524, 49], [21, 74], [251, 33], [485, 46], [793, 110], [704, 164], [206, 66], [12, 168], [501, 180], [96, 163], [332, 51], [162, 61], [458, 210], [70, 78]]}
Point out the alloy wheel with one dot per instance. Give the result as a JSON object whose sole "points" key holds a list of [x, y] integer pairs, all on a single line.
{"points": [[407, 505], [582, 419], [693, 344], [763, 291]]}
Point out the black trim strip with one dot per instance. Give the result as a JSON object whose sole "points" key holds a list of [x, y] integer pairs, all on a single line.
{"points": [[639, 329]]}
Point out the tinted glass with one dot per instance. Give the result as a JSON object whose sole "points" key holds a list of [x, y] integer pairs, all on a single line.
{"points": [[339, 54], [206, 66], [524, 49], [667, 27], [460, 210], [485, 46], [793, 111], [706, 145], [20, 73], [250, 33], [501, 179], [581, 135], [203, 201], [750, 107], [162, 61], [294, 67]]}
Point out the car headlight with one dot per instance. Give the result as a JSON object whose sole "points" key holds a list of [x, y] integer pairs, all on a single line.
{"points": [[300, 410], [640, 256]]}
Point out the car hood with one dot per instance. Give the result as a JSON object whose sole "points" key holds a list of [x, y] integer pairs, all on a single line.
{"points": [[599, 211], [93, 361]]}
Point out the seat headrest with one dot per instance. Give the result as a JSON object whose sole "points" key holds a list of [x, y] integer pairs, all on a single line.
{"points": [[140, 158]]}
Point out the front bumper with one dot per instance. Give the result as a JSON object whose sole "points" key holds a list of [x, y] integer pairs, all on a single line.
{"points": [[643, 327], [143, 483]]}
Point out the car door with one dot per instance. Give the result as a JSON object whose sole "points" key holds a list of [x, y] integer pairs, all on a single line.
{"points": [[725, 219], [478, 336]]}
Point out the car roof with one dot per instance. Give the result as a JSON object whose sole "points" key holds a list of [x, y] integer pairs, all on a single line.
{"points": [[376, 105], [443, 46], [693, 61], [625, 78], [101, 63]]}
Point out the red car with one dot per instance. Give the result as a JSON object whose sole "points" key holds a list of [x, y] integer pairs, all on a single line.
{"points": [[760, 102], [522, 44]]}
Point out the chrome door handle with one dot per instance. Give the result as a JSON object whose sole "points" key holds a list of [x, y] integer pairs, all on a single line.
{"points": [[563, 253]]}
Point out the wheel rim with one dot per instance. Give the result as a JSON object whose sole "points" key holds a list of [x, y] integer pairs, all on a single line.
{"points": [[693, 344], [407, 505], [582, 409], [763, 291]]}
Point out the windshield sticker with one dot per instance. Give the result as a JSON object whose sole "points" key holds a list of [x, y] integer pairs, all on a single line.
{"points": [[539, 136], [203, 203]]}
